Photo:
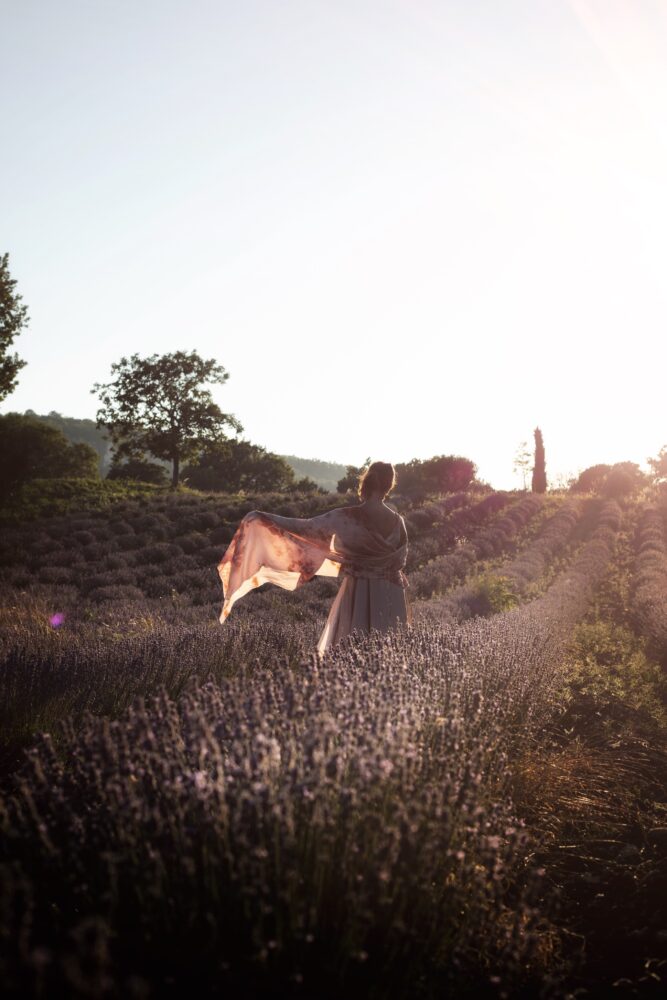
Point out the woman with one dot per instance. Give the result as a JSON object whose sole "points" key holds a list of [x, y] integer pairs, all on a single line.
{"points": [[367, 545]]}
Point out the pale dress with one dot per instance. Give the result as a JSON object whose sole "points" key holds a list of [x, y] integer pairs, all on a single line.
{"points": [[289, 551]]}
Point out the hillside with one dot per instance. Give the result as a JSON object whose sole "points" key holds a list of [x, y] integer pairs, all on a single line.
{"points": [[325, 474], [478, 799]]}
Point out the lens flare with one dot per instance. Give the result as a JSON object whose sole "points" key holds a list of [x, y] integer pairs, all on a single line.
{"points": [[57, 620]]}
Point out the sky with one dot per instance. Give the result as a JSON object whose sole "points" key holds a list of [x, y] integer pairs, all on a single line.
{"points": [[405, 227]]}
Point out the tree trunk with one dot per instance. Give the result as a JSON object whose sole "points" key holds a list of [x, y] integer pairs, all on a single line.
{"points": [[174, 472]]}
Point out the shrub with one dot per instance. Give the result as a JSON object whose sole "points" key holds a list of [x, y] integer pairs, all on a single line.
{"points": [[102, 595], [158, 586], [222, 534], [55, 574], [121, 528], [193, 542], [160, 552], [141, 471], [490, 595]]}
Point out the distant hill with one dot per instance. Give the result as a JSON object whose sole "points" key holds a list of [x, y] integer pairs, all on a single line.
{"points": [[76, 430], [325, 474]]}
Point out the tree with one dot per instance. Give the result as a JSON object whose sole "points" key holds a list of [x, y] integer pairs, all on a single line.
{"points": [[78, 429], [350, 481], [623, 479], [160, 405], [616, 480], [13, 317], [440, 474], [539, 482], [522, 461], [231, 466], [659, 465], [30, 449], [140, 470], [307, 485], [591, 479]]}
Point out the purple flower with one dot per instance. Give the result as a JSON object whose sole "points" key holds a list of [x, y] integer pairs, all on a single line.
{"points": [[57, 620]]}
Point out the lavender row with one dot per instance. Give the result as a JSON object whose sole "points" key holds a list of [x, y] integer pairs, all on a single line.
{"points": [[571, 585], [324, 828], [330, 827], [497, 538], [649, 601], [451, 527], [532, 562]]}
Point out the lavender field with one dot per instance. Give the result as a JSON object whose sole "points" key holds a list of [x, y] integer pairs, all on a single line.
{"points": [[475, 805]]}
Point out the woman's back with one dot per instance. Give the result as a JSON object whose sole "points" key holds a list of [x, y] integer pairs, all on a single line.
{"points": [[365, 544]]}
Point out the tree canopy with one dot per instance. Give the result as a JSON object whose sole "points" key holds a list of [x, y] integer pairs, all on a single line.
{"points": [[420, 477], [440, 474], [139, 470], [659, 465], [161, 405], [78, 429], [31, 449], [349, 482], [232, 466], [616, 480], [13, 317]]}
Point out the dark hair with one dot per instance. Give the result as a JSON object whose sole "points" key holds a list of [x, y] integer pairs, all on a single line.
{"points": [[379, 477]]}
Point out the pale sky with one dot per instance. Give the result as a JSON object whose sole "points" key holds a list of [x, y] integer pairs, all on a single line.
{"points": [[405, 228]]}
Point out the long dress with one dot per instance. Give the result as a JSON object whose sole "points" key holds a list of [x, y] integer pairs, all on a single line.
{"points": [[289, 551]]}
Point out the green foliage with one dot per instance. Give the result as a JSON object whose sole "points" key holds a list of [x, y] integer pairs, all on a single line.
{"points": [[437, 475], [623, 479], [591, 479], [325, 474], [13, 317], [160, 405], [659, 466], [232, 466], [350, 481], [609, 662], [491, 594], [78, 430], [307, 485], [140, 470], [31, 449], [49, 497], [612, 481], [539, 482]]}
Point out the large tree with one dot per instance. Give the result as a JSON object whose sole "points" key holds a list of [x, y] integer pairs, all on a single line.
{"points": [[437, 475], [13, 317], [616, 480], [161, 405], [539, 482], [231, 466], [350, 481]]}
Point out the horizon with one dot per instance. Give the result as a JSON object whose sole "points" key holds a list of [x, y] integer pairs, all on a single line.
{"points": [[403, 230]]}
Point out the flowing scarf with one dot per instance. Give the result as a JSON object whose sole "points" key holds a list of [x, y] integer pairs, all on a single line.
{"points": [[289, 551]]}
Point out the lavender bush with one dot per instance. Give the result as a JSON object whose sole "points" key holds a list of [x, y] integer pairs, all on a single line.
{"points": [[649, 602]]}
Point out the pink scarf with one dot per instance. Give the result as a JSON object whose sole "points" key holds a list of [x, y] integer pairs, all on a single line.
{"points": [[289, 551]]}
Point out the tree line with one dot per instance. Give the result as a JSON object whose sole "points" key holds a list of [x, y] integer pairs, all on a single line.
{"points": [[159, 411]]}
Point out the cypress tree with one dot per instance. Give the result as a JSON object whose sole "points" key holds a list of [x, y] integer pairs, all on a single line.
{"points": [[539, 468]]}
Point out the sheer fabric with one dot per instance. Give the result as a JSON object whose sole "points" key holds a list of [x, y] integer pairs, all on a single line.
{"points": [[289, 551]]}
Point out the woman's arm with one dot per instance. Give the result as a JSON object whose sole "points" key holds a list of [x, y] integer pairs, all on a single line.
{"points": [[318, 527]]}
